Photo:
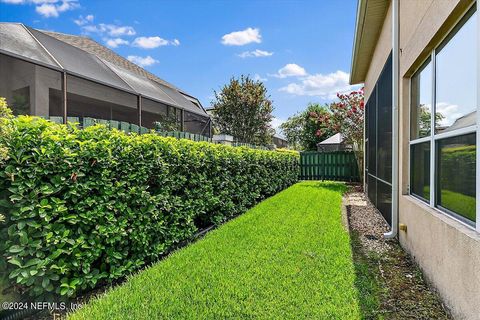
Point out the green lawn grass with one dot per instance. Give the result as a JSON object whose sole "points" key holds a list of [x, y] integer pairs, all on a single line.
{"points": [[287, 258]]}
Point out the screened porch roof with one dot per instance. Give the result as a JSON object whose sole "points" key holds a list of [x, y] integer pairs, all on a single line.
{"points": [[46, 49]]}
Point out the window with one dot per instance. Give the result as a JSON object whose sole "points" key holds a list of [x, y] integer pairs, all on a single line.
{"points": [[456, 175], [420, 170], [379, 142], [27, 87], [456, 78], [443, 161], [421, 110]]}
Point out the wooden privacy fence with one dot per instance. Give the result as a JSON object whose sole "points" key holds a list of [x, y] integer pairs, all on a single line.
{"points": [[130, 127], [338, 165]]}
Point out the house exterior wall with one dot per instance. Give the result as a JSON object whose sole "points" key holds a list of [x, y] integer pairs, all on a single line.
{"points": [[446, 250]]}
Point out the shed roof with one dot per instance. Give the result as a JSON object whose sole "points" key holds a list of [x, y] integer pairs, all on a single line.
{"points": [[335, 139]]}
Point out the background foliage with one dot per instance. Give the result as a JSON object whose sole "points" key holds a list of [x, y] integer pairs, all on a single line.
{"points": [[89, 206], [302, 132], [243, 109], [346, 116]]}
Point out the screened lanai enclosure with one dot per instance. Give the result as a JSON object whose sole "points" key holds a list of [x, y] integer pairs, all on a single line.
{"points": [[57, 75]]}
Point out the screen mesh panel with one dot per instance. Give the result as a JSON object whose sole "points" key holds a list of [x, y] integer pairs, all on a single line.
{"points": [[196, 124], [384, 124], [16, 39], [379, 145], [372, 132], [183, 102], [80, 62], [142, 85]]}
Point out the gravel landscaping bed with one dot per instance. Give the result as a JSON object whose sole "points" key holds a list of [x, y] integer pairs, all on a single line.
{"points": [[390, 284]]}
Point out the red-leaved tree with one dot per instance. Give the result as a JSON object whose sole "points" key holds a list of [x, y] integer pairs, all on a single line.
{"points": [[346, 116]]}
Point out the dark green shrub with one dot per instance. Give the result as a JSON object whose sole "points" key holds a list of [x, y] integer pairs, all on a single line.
{"points": [[93, 205]]}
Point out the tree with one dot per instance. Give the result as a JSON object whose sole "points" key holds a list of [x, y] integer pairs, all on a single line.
{"points": [[293, 130], [244, 110], [346, 116], [302, 131]]}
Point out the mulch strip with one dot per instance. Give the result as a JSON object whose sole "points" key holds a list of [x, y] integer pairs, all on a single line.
{"points": [[401, 291]]}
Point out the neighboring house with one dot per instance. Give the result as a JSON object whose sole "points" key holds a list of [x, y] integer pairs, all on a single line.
{"points": [[51, 74], [418, 58], [334, 143], [279, 141]]}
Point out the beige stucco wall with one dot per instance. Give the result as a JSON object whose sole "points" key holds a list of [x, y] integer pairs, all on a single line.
{"points": [[447, 251]]}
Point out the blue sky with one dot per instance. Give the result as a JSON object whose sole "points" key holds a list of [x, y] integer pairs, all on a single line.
{"points": [[300, 49]]}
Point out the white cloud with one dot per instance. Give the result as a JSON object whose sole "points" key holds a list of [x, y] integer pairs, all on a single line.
{"points": [[13, 1], [323, 86], [450, 113], [47, 8], [116, 31], [257, 77], [240, 38], [81, 21], [109, 29], [37, 2], [290, 70], [149, 42], [142, 61], [153, 42], [255, 54], [115, 42], [276, 123], [67, 5], [112, 34]]}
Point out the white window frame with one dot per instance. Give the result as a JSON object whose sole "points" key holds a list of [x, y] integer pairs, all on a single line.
{"points": [[433, 138]]}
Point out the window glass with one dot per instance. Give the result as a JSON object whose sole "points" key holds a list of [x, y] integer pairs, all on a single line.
{"points": [[27, 86], [421, 100], [456, 175], [420, 170], [89, 99], [456, 78]]}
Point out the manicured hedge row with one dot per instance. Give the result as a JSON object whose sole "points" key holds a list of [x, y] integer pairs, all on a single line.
{"points": [[93, 205]]}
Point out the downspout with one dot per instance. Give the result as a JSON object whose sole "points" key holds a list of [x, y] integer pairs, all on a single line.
{"points": [[395, 89]]}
